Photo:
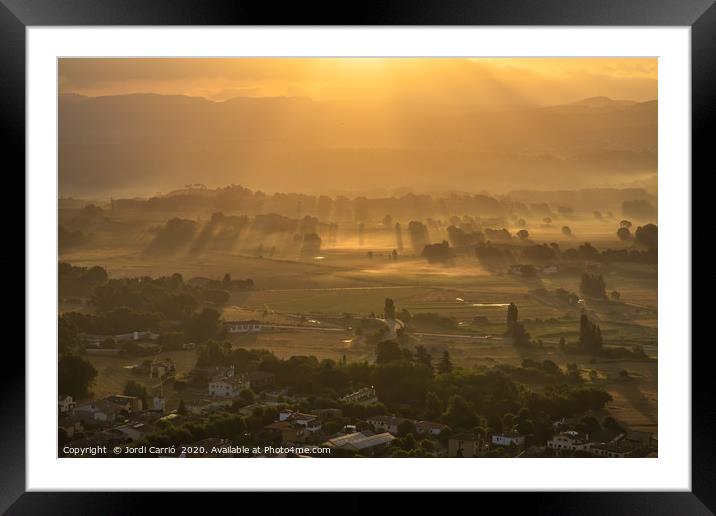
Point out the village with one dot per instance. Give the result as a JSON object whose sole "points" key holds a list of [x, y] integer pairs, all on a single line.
{"points": [[247, 414]]}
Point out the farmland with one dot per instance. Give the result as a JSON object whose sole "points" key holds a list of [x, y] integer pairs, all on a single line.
{"points": [[351, 283]]}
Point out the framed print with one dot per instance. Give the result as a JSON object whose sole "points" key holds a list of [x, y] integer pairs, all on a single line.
{"points": [[421, 235]]}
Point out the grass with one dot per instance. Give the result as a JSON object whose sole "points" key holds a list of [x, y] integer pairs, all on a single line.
{"points": [[349, 281], [114, 372]]}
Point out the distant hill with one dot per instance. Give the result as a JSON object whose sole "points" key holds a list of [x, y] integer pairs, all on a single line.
{"points": [[138, 142]]}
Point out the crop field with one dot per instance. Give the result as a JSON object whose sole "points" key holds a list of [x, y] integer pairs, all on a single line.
{"points": [[304, 292]]}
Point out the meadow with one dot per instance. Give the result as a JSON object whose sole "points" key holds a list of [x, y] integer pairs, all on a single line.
{"points": [[316, 291]]}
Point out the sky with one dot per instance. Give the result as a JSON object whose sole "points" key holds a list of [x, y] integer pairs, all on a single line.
{"points": [[479, 81]]}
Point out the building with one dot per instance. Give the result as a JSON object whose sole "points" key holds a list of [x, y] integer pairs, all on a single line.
{"points": [[639, 440], [365, 443], [98, 412], [243, 326], [327, 414], [227, 387], [290, 432], [309, 421], [617, 449], [429, 428], [158, 404], [550, 269], [133, 430], [133, 336], [69, 426], [65, 403], [161, 368], [386, 423], [463, 445], [508, 439], [129, 404], [208, 373], [569, 440], [365, 395]]}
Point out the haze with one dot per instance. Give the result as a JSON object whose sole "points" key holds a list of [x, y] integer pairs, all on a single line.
{"points": [[362, 125]]}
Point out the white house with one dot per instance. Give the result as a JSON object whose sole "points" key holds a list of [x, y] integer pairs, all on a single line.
{"points": [[569, 440], [364, 395], [101, 411], [65, 403], [508, 440], [429, 428], [227, 387], [611, 450], [243, 326], [311, 422], [386, 423], [159, 404]]}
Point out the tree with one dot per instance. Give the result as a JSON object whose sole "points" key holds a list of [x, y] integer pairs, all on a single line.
{"points": [[593, 285], [520, 337], [68, 339], [523, 234], [361, 233], [624, 234], [406, 427], [438, 253], [311, 244], [460, 413], [590, 335], [423, 357], [246, 395], [433, 406], [562, 344], [226, 282], [132, 388], [511, 317], [647, 236], [566, 231], [389, 310], [445, 365], [398, 237], [62, 437], [419, 236], [182, 408], [387, 351], [616, 296], [75, 376], [94, 276], [204, 326], [388, 221]]}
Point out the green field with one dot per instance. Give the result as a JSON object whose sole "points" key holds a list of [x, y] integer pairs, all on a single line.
{"points": [[290, 291]]}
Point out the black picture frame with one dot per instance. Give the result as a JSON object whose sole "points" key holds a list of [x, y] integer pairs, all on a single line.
{"points": [[700, 15]]}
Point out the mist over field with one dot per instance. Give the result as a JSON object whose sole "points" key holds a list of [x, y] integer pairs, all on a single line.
{"points": [[468, 247]]}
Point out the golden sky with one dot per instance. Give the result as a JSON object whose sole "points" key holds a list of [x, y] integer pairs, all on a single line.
{"points": [[452, 81]]}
